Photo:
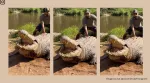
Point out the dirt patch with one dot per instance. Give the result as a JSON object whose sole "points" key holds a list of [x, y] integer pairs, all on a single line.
{"points": [[64, 68], [19, 65], [108, 67]]}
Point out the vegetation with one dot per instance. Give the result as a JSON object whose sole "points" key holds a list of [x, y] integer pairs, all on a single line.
{"points": [[30, 27], [73, 11], [118, 31], [71, 31], [119, 11], [26, 10]]}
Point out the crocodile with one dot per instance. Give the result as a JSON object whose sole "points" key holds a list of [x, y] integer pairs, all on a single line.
{"points": [[130, 49], [75, 51], [33, 46]]}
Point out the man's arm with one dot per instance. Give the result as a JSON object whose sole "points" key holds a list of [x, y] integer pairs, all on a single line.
{"points": [[94, 17], [42, 23], [85, 26], [132, 26], [133, 30], [86, 31], [141, 17], [43, 27]]}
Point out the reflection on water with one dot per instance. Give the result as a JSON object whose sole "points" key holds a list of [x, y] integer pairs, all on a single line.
{"points": [[20, 19], [109, 22]]}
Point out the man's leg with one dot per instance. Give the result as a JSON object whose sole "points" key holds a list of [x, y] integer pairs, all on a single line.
{"points": [[48, 26], [93, 29], [81, 31], [38, 28], [128, 31], [140, 29]]}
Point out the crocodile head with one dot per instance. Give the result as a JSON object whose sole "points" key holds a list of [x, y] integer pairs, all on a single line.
{"points": [[26, 38], [118, 50], [71, 50], [27, 45]]}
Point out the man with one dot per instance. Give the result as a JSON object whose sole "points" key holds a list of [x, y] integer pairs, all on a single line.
{"points": [[135, 24], [44, 21], [89, 23]]}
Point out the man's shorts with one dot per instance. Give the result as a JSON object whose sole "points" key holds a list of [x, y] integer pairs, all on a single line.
{"points": [[82, 30], [39, 27], [129, 30]]}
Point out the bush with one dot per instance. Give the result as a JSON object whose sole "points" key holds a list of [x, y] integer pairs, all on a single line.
{"points": [[120, 11], [71, 31], [118, 31], [73, 11], [30, 27]]}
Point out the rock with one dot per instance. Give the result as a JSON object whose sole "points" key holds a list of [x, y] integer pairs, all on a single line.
{"points": [[56, 36], [103, 35], [12, 32]]}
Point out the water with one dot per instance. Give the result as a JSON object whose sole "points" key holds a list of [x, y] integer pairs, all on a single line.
{"points": [[109, 22], [61, 22], [17, 20]]}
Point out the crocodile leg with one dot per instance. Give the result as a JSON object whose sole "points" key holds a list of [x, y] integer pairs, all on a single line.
{"points": [[93, 60]]}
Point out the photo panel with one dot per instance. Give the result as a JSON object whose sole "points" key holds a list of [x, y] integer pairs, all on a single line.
{"points": [[75, 39], [121, 41], [29, 41]]}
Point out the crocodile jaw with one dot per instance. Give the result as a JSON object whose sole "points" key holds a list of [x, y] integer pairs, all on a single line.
{"points": [[116, 42], [71, 50], [117, 48], [26, 37], [68, 42], [118, 53], [74, 53]]}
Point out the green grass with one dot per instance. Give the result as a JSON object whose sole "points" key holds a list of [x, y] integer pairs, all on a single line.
{"points": [[71, 31], [118, 31], [30, 27]]}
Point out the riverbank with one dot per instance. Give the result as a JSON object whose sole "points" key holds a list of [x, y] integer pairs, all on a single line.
{"points": [[72, 11], [25, 10], [119, 11]]}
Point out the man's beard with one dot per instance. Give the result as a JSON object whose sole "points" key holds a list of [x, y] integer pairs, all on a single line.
{"points": [[135, 17], [88, 17]]}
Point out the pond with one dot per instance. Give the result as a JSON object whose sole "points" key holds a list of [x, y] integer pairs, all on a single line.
{"points": [[109, 22], [17, 20], [61, 22]]}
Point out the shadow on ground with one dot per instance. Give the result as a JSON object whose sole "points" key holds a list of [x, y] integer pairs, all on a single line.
{"points": [[106, 63], [16, 59], [60, 64]]}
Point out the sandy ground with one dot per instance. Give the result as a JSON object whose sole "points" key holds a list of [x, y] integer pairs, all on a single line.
{"points": [[64, 68], [108, 67], [19, 65]]}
